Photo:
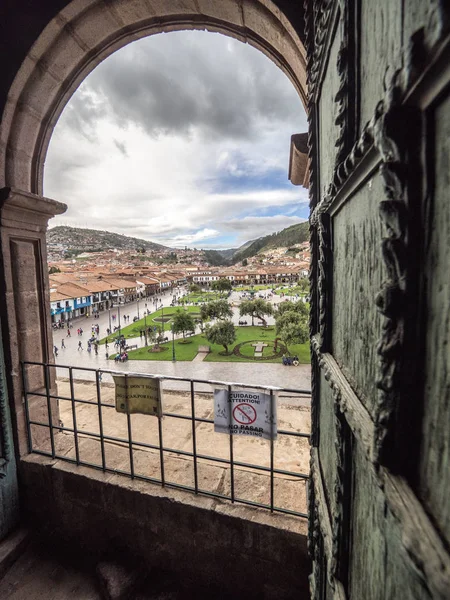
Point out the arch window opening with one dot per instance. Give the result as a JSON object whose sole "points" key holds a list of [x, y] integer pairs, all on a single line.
{"points": [[173, 157]]}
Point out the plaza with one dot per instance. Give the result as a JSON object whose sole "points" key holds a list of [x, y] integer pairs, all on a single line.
{"points": [[274, 374]]}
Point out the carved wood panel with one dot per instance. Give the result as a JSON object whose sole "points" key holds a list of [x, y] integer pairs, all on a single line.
{"points": [[380, 234]]}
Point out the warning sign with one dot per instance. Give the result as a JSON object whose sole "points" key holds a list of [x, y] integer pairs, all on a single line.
{"points": [[138, 395], [241, 412], [244, 414]]}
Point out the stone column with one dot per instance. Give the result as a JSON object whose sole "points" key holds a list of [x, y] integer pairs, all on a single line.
{"points": [[26, 308]]}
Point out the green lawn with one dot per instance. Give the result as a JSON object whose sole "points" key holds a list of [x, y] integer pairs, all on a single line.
{"points": [[132, 330], [201, 297], [186, 352], [254, 288], [291, 291]]}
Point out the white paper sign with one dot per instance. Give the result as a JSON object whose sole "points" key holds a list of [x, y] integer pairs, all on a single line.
{"points": [[244, 412]]}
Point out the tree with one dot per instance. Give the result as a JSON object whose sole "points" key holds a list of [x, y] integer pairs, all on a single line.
{"points": [[221, 285], [54, 270], [218, 309], [292, 322], [194, 288], [292, 328], [182, 322], [152, 336], [244, 262], [256, 308], [222, 333], [288, 306], [303, 284]]}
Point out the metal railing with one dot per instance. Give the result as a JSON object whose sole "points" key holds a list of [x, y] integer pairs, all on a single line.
{"points": [[96, 376]]}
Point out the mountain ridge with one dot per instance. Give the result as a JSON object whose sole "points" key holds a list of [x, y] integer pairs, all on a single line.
{"points": [[78, 240], [289, 236], [90, 240]]}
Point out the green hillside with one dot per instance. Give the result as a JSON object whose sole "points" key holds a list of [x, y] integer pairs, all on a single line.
{"points": [[295, 234]]}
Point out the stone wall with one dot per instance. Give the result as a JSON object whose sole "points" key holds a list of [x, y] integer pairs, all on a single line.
{"points": [[193, 537]]}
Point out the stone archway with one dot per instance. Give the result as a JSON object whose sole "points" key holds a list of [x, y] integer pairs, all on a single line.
{"points": [[86, 32], [71, 44]]}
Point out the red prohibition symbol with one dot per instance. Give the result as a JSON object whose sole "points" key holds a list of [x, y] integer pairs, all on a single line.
{"points": [[244, 414]]}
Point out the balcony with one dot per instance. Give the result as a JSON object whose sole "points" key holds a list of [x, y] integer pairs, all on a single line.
{"points": [[170, 488]]}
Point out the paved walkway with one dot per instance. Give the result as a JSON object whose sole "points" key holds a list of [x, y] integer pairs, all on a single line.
{"points": [[257, 373]]}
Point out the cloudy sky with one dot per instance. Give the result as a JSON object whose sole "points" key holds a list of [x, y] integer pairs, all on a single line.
{"points": [[181, 138]]}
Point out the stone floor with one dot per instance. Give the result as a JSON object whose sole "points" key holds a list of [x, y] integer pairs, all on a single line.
{"points": [[43, 573]]}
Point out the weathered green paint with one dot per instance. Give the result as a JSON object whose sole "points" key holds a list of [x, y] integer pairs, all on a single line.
{"points": [[435, 455], [327, 451], [357, 276], [381, 40], [328, 111], [9, 495], [380, 515]]}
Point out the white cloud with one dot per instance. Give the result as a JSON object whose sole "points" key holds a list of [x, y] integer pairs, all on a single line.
{"points": [[128, 156]]}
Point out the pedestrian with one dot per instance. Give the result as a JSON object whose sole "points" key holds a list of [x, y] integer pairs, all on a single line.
{"points": [[80, 345], [55, 350], [63, 345], [68, 332]]}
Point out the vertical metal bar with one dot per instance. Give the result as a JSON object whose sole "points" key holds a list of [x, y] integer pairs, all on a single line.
{"points": [[231, 455], [271, 451], [194, 438], [27, 410], [161, 451], [49, 408], [130, 439], [74, 416], [100, 421]]}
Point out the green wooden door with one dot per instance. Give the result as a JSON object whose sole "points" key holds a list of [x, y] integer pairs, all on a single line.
{"points": [[379, 132]]}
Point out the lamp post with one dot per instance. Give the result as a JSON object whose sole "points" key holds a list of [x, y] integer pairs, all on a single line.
{"points": [[174, 358], [145, 327], [118, 310], [138, 306], [110, 329], [162, 316]]}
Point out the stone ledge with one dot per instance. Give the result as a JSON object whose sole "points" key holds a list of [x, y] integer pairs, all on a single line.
{"points": [[192, 536], [11, 548]]}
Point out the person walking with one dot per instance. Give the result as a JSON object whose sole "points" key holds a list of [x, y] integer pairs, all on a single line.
{"points": [[55, 350], [63, 345], [68, 332], [80, 345]]}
